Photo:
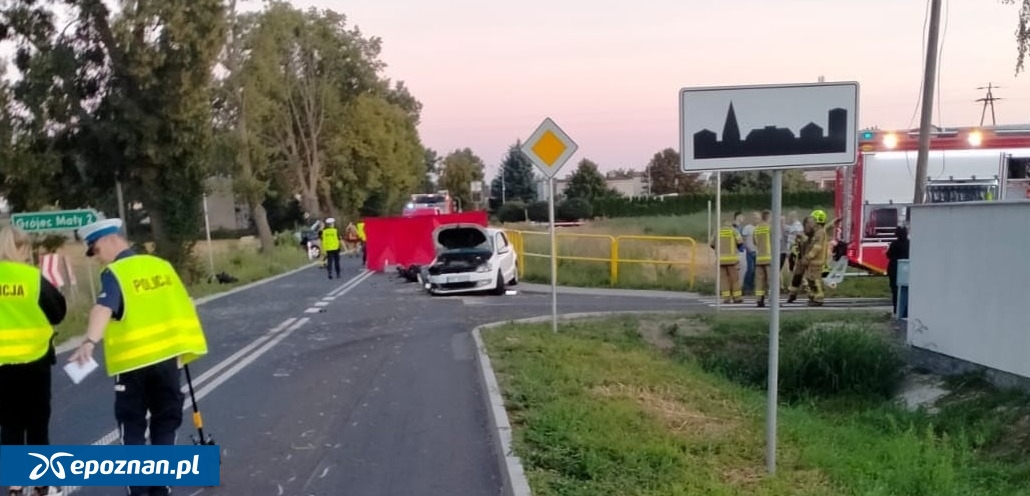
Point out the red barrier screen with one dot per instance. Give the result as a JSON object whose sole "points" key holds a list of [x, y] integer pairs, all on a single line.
{"points": [[408, 240]]}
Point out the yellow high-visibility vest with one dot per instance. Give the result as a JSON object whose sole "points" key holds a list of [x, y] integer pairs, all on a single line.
{"points": [[763, 242], [361, 231], [25, 331], [159, 320], [728, 239], [330, 239]]}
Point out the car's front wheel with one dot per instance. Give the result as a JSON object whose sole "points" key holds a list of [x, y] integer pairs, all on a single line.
{"points": [[500, 289]]}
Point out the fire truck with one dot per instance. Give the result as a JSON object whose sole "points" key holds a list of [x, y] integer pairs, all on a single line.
{"points": [[439, 203], [965, 164]]}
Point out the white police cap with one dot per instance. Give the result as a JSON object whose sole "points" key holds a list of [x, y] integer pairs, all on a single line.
{"points": [[92, 232]]}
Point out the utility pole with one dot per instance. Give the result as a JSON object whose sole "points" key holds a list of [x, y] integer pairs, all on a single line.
{"points": [[988, 100], [927, 116]]}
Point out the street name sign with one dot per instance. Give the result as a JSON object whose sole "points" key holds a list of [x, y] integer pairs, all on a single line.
{"points": [[792, 126], [55, 221], [549, 148]]}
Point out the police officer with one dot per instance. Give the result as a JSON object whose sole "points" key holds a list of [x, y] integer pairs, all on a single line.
{"points": [[150, 328], [331, 246], [29, 308]]}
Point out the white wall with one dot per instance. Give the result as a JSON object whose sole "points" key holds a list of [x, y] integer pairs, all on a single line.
{"points": [[969, 294]]}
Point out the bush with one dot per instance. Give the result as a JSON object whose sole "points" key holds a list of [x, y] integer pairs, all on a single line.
{"points": [[512, 212], [849, 359], [816, 360], [538, 211], [574, 209]]}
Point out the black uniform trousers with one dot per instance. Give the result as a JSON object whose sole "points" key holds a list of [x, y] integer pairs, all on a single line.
{"points": [[156, 389], [25, 402], [332, 258]]}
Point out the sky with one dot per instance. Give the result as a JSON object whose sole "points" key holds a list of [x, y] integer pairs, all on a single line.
{"points": [[609, 72]]}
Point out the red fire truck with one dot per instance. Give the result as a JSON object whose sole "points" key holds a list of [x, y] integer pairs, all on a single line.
{"points": [[439, 203], [965, 164]]}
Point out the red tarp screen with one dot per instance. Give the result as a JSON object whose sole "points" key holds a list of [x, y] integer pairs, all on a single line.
{"points": [[408, 240]]}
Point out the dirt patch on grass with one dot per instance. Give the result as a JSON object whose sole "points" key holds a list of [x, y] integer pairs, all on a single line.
{"points": [[661, 333], [665, 405]]}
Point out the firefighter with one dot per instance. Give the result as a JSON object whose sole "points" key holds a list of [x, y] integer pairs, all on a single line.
{"points": [[800, 247], [361, 237], [815, 258], [729, 262], [29, 308], [763, 257], [331, 247], [150, 329]]}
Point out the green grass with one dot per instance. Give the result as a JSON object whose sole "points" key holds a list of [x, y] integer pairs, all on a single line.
{"points": [[597, 410], [239, 260], [646, 263]]}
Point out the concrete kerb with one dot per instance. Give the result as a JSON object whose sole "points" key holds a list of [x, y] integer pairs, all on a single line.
{"points": [[73, 343], [512, 473]]}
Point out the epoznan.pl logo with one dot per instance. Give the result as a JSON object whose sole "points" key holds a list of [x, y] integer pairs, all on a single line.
{"points": [[47, 464], [118, 465]]}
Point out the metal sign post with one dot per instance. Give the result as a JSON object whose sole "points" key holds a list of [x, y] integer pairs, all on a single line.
{"points": [[718, 239], [769, 127], [207, 230], [549, 148]]}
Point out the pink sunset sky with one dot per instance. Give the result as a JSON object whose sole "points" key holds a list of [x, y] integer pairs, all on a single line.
{"points": [[609, 72]]}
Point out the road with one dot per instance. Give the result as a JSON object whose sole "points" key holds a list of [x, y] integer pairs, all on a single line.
{"points": [[364, 386]]}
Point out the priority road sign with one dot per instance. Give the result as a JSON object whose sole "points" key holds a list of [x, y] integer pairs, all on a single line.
{"points": [[56, 221], [549, 148]]}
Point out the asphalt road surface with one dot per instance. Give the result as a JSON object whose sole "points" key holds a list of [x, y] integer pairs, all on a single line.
{"points": [[361, 386]]}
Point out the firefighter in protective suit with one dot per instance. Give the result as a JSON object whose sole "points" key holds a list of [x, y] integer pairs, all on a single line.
{"points": [[815, 258], [800, 248], [729, 260], [763, 259]]}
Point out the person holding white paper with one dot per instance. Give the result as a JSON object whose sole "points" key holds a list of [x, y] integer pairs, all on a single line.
{"points": [[29, 308], [150, 328]]}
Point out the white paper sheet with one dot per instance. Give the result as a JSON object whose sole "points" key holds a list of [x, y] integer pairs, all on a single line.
{"points": [[78, 372]]}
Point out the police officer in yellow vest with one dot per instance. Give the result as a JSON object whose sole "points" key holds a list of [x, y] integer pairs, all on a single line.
{"points": [[763, 259], [150, 328], [729, 260], [331, 246], [29, 308], [361, 236]]}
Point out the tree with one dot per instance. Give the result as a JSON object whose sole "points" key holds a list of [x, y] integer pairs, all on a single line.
{"points": [[457, 171], [517, 173], [1022, 32], [663, 171], [374, 165], [312, 68], [432, 163], [588, 183], [761, 182], [621, 174]]}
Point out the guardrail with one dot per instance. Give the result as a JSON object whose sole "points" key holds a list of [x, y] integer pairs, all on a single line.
{"points": [[518, 240]]}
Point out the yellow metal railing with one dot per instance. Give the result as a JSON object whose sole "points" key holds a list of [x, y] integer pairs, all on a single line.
{"points": [[518, 240]]}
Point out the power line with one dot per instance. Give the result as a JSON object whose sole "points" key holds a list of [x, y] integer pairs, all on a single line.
{"points": [[988, 101]]}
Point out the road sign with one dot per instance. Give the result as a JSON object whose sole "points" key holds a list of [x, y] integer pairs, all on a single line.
{"points": [[549, 148], [56, 221], [768, 127]]}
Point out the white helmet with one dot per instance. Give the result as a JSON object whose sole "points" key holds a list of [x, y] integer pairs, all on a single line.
{"points": [[330, 221]]}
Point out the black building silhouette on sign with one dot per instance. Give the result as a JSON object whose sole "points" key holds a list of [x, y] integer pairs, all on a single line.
{"points": [[772, 140]]}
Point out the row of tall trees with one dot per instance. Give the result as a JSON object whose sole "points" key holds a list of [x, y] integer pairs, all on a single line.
{"points": [[160, 95]]}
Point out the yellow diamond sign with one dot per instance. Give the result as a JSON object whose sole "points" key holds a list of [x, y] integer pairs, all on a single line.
{"points": [[549, 148]]}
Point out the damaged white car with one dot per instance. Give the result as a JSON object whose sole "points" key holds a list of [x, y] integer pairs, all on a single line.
{"points": [[470, 258]]}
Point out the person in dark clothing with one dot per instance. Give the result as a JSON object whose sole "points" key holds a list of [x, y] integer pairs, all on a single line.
{"points": [[31, 305], [897, 250]]}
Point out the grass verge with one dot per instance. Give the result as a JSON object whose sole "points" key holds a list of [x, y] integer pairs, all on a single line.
{"points": [[237, 258], [599, 409]]}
